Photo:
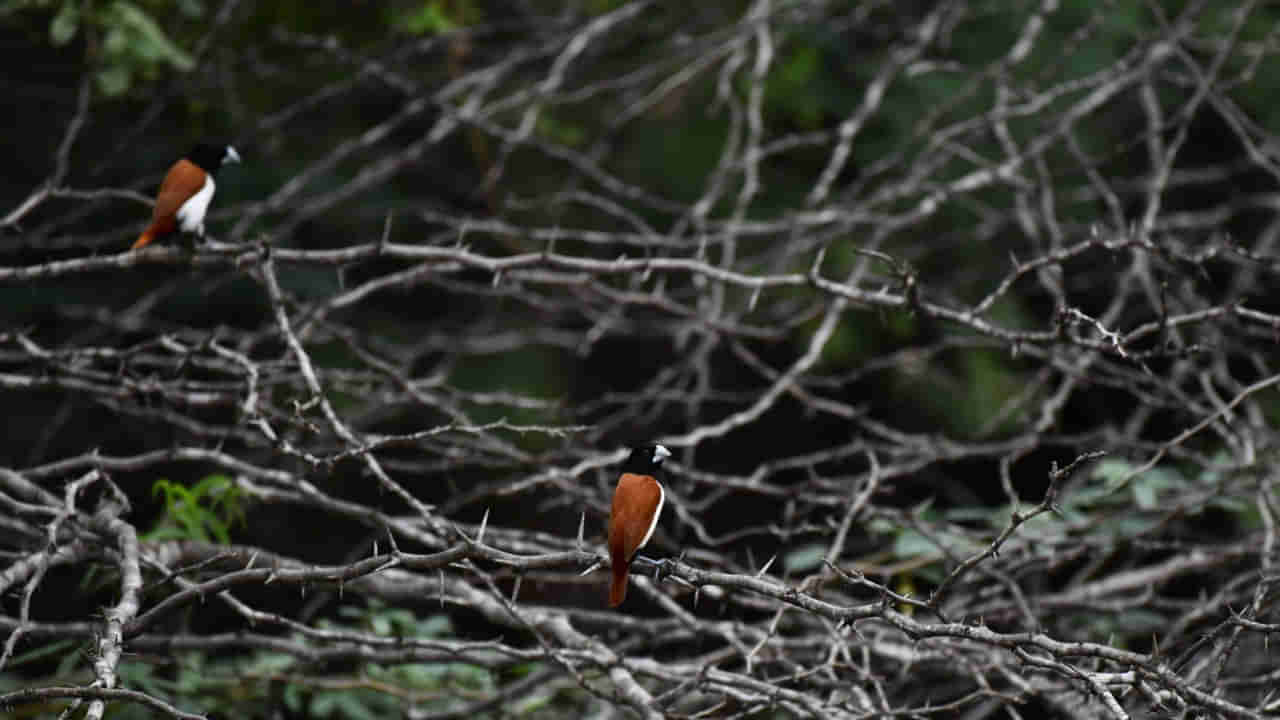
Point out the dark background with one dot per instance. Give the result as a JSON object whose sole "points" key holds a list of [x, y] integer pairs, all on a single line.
{"points": [[1140, 201]]}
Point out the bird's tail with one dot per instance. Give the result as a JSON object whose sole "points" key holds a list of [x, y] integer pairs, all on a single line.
{"points": [[618, 587], [144, 239]]}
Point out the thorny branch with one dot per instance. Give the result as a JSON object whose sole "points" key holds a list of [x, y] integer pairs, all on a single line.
{"points": [[910, 481]]}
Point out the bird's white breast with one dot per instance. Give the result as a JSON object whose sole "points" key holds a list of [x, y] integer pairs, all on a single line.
{"points": [[657, 513], [191, 214]]}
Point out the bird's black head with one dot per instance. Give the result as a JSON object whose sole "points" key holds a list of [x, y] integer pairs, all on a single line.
{"points": [[645, 459], [211, 156]]}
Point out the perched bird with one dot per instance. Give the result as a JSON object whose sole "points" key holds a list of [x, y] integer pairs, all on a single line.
{"points": [[186, 191], [637, 503]]}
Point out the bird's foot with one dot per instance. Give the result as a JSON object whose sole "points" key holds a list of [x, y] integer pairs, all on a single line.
{"points": [[662, 568]]}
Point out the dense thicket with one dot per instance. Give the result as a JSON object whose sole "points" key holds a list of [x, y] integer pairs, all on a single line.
{"points": [[959, 317]]}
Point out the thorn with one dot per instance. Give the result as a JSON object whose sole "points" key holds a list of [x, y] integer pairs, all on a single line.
{"points": [[515, 591], [441, 587], [484, 524], [767, 565], [460, 534], [582, 524], [594, 566], [817, 261]]}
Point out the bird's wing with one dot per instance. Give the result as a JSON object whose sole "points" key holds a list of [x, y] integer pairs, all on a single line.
{"points": [[182, 181], [636, 504]]}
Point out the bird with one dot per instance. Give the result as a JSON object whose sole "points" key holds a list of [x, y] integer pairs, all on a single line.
{"points": [[185, 194], [637, 504]]}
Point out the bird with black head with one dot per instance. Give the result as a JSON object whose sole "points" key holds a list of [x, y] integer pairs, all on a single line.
{"points": [[186, 192], [637, 504]]}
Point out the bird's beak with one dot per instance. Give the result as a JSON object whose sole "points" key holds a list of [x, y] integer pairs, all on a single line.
{"points": [[660, 453], [232, 156]]}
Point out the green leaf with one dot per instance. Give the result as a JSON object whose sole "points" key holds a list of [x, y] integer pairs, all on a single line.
{"points": [[268, 662], [324, 704], [435, 626], [1113, 471], [430, 18], [293, 697], [220, 531], [352, 705], [205, 511], [977, 515], [804, 558], [910, 544], [149, 40], [65, 24], [1043, 526], [192, 521], [210, 485], [533, 703], [116, 42], [470, 676], [881, 526], [114, 80], [1144, 492], [790, 87]]}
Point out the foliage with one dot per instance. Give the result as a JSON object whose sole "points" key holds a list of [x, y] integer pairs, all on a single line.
{"points": [[124, 38], [206, 511], [257, 683], [957, 316], [437, 16]]}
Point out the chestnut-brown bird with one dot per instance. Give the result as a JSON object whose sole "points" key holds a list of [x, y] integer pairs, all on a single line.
{"points": [[186, 192], [637, 503]]}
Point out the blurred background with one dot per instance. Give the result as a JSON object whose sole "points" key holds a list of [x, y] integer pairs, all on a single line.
{"points": [[877, 272]]}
